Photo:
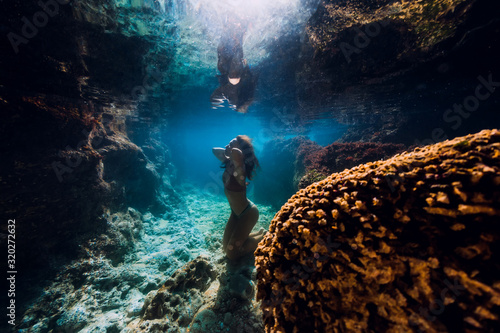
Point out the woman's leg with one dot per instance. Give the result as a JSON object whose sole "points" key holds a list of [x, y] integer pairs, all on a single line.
{"points": [[230, 225], [255, 234], [240, 243]]}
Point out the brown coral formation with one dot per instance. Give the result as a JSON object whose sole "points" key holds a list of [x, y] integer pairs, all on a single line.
{"points": [[402, 245]]}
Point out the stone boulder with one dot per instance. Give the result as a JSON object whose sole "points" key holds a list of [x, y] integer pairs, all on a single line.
{"points": [[203, 296]]}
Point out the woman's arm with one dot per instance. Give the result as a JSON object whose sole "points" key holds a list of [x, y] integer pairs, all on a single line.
{"points": [[219, 153], [239, 165], [237, 158]]}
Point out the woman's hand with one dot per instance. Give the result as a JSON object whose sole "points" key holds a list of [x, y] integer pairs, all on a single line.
{"points": [[231, 152], [236, 157], [220, 154], [235, 152]]}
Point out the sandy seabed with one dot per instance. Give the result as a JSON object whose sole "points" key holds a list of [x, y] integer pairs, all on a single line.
{"points": [[97, 294]]}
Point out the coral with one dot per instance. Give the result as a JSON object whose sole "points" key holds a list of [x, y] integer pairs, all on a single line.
{"points": [[339, 156], [400, 245]]}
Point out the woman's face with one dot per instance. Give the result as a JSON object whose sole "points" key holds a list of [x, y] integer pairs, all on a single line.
{"points": [[232, 144]]}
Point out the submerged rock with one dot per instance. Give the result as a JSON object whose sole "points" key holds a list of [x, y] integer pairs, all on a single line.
{"points": [[277, 180], [203, 296], [190, 281], [64, 95], [308, 163], [406, 244], [372, 41], [336, 157]]}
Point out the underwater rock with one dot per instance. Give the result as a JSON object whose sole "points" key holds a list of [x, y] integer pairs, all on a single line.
{"points": [[336, 157], [105, 288], [90, 295], [238, 279], [372, 41], [204, 296], [406, 244], [59, 193], [278, 178], [203, 321], [233, 308], [311, 176], [177, 301], [122, 232], [59, 88], [133, 180], [361, 56], [50, 177]]}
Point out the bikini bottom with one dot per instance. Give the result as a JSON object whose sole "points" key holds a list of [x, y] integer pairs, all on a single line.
{"points": [[247, 208]]}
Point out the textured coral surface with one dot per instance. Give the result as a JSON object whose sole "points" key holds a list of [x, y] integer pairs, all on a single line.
{"points": [[406, 244]]}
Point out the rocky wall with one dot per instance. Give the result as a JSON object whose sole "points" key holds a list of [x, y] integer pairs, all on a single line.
{"points": [[290, 164], [65, 91], [372, 41], [381, 64], [318, 162], [63, 168], [407, 244], [277, 175]]}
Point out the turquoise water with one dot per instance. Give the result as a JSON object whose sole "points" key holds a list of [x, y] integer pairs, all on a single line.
{"points": [[152, 67]]}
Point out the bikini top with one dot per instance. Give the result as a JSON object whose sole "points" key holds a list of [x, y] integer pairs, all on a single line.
{"points": [[233, 185]]}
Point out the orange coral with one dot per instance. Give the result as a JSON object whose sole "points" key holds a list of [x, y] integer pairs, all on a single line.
{"points": [[400, 245]]}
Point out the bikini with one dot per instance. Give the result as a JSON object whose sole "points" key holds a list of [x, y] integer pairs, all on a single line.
{"points": [[247, 208], [233, 186]]}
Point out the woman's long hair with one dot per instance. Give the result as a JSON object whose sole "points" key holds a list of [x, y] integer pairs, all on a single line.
{"points": [[251, 161]]}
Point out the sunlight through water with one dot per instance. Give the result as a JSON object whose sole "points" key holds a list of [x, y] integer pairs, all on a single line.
{"points": [[265, 21]]}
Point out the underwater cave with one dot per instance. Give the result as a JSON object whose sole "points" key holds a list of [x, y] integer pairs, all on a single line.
{"points": [[250, 166]]}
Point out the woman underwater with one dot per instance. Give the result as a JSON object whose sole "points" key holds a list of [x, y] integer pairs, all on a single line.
{"points": [[236, 81], [239, 161]]}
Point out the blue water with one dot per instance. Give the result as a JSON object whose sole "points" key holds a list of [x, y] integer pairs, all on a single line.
{"points": [[183, 37], [196, 128]]}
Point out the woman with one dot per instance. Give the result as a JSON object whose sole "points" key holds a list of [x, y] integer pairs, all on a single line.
{"points": [[239, 161], [236, 81]]}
